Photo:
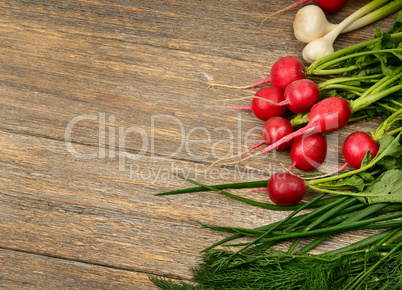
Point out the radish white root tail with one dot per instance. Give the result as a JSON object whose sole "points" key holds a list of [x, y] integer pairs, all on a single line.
{"points": [[295, 5]]}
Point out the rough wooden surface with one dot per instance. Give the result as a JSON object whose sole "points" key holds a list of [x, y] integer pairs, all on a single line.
{"points": [[101, 102]]}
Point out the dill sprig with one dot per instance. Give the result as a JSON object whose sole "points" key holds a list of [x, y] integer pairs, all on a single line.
{"points": [[370, 267]]}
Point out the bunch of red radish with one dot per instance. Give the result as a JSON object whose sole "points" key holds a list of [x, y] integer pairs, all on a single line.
{"points": [[290, 89]]}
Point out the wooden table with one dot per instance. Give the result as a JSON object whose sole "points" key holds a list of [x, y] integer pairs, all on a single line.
{"points": [[101, 103]]}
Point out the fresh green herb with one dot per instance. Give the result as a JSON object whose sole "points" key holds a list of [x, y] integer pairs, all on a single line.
{"points": [[373, 263]]}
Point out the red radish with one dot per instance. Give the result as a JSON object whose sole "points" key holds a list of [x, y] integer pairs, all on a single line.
{"points": [[326, 116], [331, 6], [308, 151], [300, 96], [283, 72], [264, 110], [286, 189], [355, 147], [328, 6], [329, 115], [275, 129]]}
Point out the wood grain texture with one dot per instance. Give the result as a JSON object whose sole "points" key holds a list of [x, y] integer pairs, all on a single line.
{"points": [[100, 103], [30, 271]]}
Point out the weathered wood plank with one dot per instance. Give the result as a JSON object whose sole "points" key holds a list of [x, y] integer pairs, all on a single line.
{"points": [[226, 28], [28, 271], [88, 210], [45, 98]]}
